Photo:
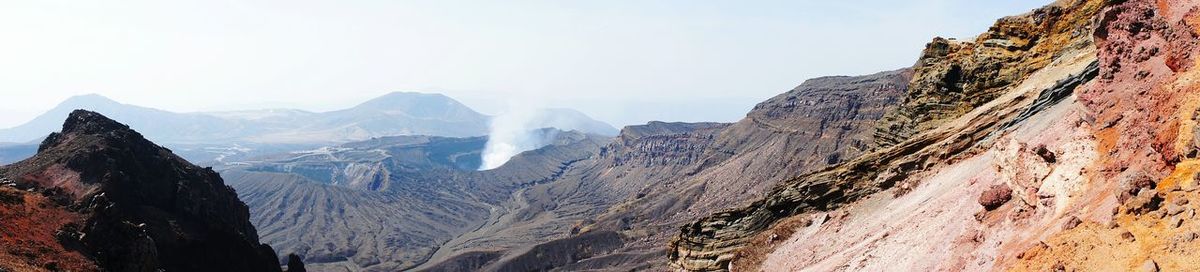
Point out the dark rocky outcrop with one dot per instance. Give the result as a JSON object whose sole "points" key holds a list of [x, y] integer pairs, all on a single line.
{"points": [[294, 264], [140, 207]]}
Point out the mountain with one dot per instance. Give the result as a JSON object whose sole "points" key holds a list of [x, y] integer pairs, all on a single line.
{"points": [[98, 196], [162, 125], [398, 113], [569, 119]]}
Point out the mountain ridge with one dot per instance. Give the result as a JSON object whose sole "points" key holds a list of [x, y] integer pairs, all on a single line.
{"points": [[417, 113], [134, 206]]}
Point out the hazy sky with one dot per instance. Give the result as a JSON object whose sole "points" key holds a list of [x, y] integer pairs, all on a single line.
{"points": [[623, 62]]}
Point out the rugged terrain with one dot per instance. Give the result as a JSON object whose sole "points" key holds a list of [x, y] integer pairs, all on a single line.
{"points": [[98, 196], [388, 204], [654, 177]]}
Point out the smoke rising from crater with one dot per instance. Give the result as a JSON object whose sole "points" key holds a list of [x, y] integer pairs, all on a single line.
{"points": [[509, 135], [525, 127]]}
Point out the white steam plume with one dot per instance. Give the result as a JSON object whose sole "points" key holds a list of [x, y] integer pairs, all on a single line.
{"points": [[512, 133]]}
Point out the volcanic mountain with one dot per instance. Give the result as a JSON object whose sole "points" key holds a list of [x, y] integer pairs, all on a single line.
{"points": [[98, 196]]}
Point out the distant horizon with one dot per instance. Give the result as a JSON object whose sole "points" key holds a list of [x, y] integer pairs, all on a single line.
{"points": [[288, 108], [621, 62]]}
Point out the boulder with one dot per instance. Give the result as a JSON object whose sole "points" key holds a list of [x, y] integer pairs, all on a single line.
{"points": [[995, 196]]}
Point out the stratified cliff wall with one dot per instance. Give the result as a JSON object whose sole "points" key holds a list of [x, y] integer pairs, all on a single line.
{"points": [[964, 98]]}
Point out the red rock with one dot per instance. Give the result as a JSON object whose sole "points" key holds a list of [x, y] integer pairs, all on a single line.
{"points": [[1047, 155], [995, 196]]}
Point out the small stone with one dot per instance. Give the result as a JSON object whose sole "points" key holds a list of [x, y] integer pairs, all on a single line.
{"points": [[1072, 223], [1181, 201], [1047, 155], [1112, 224], [1173, 209], [1128, 236], [1149, 266], [1146, 200]]}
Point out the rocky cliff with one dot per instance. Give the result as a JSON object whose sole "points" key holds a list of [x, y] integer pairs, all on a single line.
{"points": [[953, 77], [98, 196], [1082, 147]]}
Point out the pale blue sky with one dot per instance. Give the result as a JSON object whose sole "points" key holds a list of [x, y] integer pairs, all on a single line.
{"points": [[624, 62]]}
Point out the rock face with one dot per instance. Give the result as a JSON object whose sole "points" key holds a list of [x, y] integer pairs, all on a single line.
{"points": [[962, 95], [953, 77], [1074, 124], [126, 204]]}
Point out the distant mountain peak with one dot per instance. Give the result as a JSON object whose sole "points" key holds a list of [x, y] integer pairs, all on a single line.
{"points": [[408, 99], [411, 94], [88, 99]]}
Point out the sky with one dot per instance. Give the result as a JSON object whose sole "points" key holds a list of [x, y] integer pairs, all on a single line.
{"points": [[621, 61]]}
